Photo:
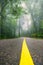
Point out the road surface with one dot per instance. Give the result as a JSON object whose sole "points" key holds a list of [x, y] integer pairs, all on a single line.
{"points": [[10, 50]]}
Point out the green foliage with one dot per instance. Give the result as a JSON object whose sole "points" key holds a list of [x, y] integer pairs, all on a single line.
{"points": [[11, 11]]}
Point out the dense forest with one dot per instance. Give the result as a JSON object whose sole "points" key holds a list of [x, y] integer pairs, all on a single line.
{"points": [[21, 18]]}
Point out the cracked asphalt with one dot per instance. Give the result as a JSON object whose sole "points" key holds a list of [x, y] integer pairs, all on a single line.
{"points": [[10, 50]]}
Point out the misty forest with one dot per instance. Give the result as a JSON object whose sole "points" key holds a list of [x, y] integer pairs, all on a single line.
{"points": [[21, 18]]}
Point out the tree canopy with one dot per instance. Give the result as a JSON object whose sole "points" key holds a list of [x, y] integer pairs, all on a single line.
{"points": [[21, 18]]}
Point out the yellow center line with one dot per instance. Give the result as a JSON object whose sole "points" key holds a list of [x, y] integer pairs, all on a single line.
{"points": [[26, 58]]}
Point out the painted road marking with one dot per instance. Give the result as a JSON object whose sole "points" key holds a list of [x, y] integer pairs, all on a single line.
{"points": [[26, 58]]}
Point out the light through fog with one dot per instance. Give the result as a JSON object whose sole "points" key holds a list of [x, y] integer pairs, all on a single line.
{"points": [[26, 22], [23, 4]]}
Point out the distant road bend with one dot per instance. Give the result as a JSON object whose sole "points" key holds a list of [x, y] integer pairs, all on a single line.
{"points": [[10, 50]]}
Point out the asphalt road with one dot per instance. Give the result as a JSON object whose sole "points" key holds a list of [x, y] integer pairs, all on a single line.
{"points": [[10, 50]]}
